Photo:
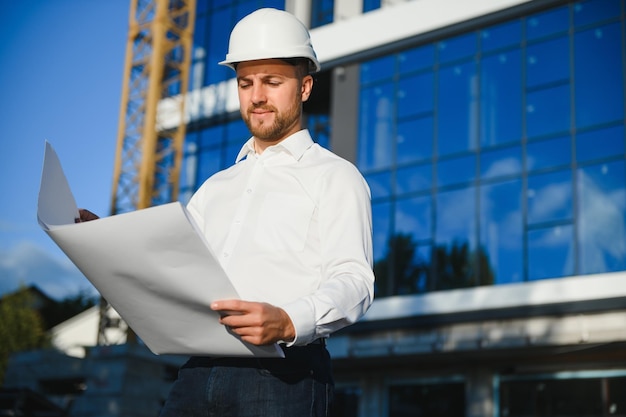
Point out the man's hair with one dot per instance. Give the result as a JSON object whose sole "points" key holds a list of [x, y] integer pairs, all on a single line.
{"points": [[301, 64]]}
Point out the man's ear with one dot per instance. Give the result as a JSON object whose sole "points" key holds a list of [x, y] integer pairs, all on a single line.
{"points": [[307, 87]]}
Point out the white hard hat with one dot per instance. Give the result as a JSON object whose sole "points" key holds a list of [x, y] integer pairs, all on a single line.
{"points": [[270, 33]]}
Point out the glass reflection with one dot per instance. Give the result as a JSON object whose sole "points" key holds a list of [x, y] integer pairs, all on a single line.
{"points": [[413, 217], [500, 99], [414, 140], [547, 23], [599, 75], [550, 153], [501, 162], [549, 197], [376, 129], [456, 218], [414, 178], [453, 171], [600, 143], [458, 108], [548, 111], [502, 230], [501, 36], [550, 252], [602, 210], [547, 62], [498, 155]]}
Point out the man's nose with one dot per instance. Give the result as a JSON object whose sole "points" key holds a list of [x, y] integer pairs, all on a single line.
{"points": [[258, 94]]}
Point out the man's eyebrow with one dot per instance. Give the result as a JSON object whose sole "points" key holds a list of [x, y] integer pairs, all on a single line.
{"points": [[263, 77]]}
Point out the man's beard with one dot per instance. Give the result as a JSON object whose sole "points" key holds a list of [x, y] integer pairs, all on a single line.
{"points": [[277, 130]]}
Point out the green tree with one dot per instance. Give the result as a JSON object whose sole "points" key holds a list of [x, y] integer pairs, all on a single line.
{"points": [[21, 327]]}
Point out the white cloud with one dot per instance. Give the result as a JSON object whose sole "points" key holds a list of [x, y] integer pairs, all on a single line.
{"points": [[27, 264]]}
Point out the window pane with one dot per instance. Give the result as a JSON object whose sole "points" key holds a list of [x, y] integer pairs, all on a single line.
{"points": [[456, 171], [238, 132], [456, 216], [220, 25], [595, 11], [346, 401], [455, 239], [501, 162], [413, 217], [600, 144], [549, 153], [380, 184], [382, 228], [501, 99], [377, 69], [550, 197], [440, 400], [602, 219], [496, 37], [550, 252], [381, 224], [211, 136], [501, 232], [414, 178], [458, 104], [376, 127], [547, 62], [547, 23], [209, 162], [416, 59], [321, 12], [460, 47], [599, 75], [552, 397], [415, 140], [548, 111], [415, 95]]}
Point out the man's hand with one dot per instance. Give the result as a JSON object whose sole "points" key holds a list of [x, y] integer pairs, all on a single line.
{"points": [[255, 323], [85, 216]]}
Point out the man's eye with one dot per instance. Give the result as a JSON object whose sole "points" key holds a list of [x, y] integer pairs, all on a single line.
{"points": [[244, 85]]}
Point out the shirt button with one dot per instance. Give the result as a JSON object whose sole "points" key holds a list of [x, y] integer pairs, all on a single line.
{"points": [[249, 190], [225, 254]]}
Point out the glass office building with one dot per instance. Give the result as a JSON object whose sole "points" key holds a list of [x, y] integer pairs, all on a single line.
{"points": [[492, 137]]}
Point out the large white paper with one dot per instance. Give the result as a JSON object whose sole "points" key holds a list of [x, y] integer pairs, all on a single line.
{"points": [[151, 265]]}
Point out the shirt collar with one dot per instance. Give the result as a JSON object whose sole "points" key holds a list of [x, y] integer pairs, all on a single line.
{"points": [[295, 145]]}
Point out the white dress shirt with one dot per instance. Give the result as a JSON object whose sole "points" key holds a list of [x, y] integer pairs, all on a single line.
{"points": [[292, 227]]}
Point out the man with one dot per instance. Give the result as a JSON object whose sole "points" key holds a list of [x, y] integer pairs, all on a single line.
{"points": [[290, 223]]}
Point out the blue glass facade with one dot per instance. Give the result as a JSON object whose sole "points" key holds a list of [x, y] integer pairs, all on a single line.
{"points": [[494, 156], [497, 156]]}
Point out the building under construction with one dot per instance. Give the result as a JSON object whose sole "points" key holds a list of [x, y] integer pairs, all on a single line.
{"points": [[492, 135]]}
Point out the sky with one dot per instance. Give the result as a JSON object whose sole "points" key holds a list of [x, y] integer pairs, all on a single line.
{"points": [[61, 70]]}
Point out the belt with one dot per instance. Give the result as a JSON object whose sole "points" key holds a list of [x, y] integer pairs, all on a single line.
{"points": [[320, 341]]}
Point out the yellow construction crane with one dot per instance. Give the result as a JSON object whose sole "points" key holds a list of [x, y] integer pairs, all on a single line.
{"points": [[148, 158]]}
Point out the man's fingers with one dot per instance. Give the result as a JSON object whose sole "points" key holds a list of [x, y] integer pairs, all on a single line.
{"points": [[85, 216], [230, 306]]}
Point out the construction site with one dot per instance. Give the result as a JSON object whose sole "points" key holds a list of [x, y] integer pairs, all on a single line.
{"points": [[492, 135]]}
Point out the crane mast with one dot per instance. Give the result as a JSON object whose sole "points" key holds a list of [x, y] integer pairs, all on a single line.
{"points": [[148, 158]]}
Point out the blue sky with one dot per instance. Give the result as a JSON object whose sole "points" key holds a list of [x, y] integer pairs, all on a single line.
{"points": [[61, 80]]}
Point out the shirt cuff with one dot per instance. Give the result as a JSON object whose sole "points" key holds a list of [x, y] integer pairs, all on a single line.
{"points": [[302, 317]]}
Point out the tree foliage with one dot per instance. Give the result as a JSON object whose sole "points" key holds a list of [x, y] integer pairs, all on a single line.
{"points": [[21, 327]]}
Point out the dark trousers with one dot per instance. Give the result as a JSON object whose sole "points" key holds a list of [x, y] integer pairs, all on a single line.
{"points": [[300, 385]]}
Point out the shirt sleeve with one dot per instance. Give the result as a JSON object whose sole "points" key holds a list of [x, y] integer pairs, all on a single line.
{"points": [[345, 229]]}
